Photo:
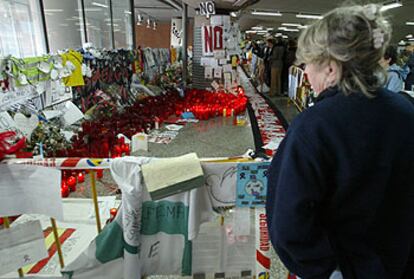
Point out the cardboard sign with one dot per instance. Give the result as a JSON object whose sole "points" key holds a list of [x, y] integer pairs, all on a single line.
{"points": [[207, 8]]}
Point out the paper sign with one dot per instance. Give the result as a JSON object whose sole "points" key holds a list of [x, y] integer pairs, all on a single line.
{"points": [[216, 20], [30, 189], [273, 144], [223, 61], [218, 71], [241, 221], [50, 114], [140, 142], [227, 68], [220, 54], [208, 72], [227, 81], [252, 184], [72, 113], [105, 204], [68, 135], [26, 124], [6, 121], [215, 85], [21, 245]]}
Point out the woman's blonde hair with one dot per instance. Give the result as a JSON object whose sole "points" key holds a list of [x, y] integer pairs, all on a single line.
{"points": [[354, 38]]}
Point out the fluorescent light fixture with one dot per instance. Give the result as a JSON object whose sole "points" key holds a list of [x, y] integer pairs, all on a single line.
{"points": [[266, 13], [285, 37], [392, 5], [292, 24], [409, 23], [282, 28], [409, 36], [291, 30], [279, 34], [127, 12], [309, 16], [303, 27], [402, 43], [269, 29], [257, 28], [251, 32], [100, 5], [412, 39], [233, 14], [53, 10]]}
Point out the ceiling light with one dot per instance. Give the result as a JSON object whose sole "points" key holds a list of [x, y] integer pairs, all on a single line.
{"points": [[410, 23], [291, 30], [100, 5], [308, 16], [127, 12], [392, 5], [292, 24], [233, 14], [251, 31], [148, 23], [269, 29], [53, 10], [409, 36], [303, 27], [402, 43], [282, 28], [285, 37], [266, 13], [257, 28], [154, 25], [412, 39], [278, 34]]}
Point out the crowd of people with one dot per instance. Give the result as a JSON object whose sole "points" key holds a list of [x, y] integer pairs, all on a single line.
{"points": [[271, 62], [273, 58]]}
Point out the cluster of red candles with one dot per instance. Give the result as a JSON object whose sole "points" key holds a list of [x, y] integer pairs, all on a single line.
{"points": [[98, 138], [70, 179]]}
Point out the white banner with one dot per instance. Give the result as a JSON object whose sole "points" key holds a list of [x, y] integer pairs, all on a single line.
{"points": [[176, 32], [263, 245]]}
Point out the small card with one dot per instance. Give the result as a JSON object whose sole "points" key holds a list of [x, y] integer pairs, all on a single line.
{"points": [[218, 72], [223, 61], [227, 68], [208, 72], [215, 85]]}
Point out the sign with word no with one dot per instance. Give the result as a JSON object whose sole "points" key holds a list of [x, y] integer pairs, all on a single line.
{"points": [[207, 8]]}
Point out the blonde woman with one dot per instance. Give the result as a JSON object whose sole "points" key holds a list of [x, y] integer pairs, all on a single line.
{"points": [[341, 186]]}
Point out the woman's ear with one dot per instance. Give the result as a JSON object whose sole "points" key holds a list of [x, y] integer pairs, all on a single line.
{"points": [[333, 73]]}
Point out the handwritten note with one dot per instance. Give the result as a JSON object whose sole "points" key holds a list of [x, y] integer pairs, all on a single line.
{"points": [[21, 245]]}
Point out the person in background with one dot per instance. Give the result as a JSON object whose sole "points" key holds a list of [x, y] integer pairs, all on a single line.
{"points": [[290, 58], [409, 82], [275, 63], [395, 74], [340, 200]]}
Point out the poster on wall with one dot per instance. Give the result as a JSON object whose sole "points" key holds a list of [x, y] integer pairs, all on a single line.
{"points": [[176, 32]]}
